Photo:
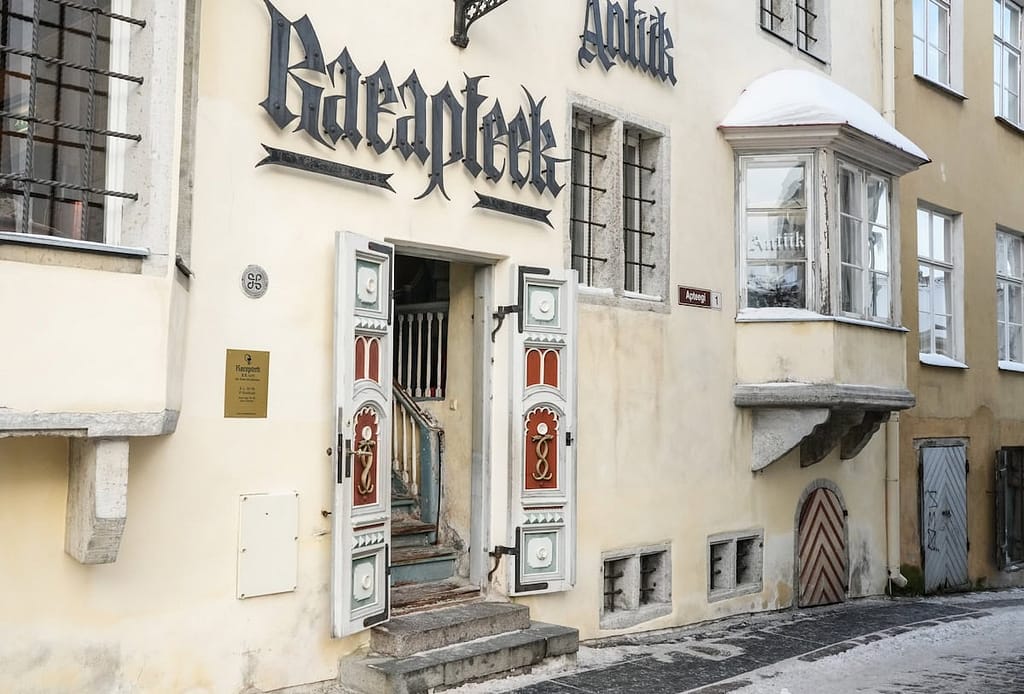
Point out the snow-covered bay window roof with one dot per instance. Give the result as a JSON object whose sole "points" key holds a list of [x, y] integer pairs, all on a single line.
{"points": [[793, 108]]}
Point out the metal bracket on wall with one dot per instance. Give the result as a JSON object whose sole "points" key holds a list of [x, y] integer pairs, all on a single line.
{"points": [[467, 12]]}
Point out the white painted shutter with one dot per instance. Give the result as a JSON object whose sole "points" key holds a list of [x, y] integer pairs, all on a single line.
{"points": [[543, 422], [362, 490]]}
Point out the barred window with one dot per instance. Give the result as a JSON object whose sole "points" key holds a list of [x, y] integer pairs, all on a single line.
{"points": [[64, 108], [800, 23], [618, 237]]}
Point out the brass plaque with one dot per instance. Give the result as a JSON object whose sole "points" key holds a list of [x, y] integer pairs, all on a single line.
{"points": [[246, 377]]}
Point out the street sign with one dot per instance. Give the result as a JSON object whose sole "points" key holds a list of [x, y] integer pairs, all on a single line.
{"points": [[701, 298]]}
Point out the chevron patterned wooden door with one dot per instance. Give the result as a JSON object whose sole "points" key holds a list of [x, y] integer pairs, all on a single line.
{"points": [[822, 550], [944, 516]]}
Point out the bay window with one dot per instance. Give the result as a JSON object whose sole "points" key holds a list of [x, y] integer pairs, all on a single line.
{"points": [[786, 251]]}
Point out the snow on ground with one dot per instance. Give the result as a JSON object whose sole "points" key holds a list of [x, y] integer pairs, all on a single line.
{"points": [[982, 655]]}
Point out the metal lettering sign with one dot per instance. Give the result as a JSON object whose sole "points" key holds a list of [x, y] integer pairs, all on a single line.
{"points": [[629, 36], [255, 281], [334, 101], [246, 380], [701, 298]]}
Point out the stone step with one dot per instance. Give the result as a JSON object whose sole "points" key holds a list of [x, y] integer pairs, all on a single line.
{"points": [[504, 654], [424, 631], [410, 532], [416, 597], [405, 505], [422, 564]]}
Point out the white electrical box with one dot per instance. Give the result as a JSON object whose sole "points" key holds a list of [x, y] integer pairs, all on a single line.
{"points": [[268, 544]]}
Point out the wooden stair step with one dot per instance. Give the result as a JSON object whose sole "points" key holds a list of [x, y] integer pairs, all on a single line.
{"points": [[412, 597]]}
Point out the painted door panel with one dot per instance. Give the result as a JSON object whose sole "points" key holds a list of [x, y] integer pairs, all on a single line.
{"points": [[543, 464], [362, 490], [944, 516]]}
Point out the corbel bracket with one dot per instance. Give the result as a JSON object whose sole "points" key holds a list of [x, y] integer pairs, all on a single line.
{"points": [[467, 12]]}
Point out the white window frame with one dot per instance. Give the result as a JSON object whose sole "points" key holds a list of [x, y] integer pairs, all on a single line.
{"points": [[804, 24], [1005, 280], [945, 37], [954, 265], [118, 91], [864, 178], [810, 226], [606, 131], [823, 296], [1006, 87]]}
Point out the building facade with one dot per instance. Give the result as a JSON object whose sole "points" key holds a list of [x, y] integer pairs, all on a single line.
{"points": [[961, 221], [594, 309]]}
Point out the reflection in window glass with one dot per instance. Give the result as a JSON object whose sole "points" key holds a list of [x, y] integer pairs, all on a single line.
{"points": [[1009, 297]]}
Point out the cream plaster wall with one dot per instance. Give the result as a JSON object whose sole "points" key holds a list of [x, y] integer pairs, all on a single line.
{"points": [[662, 452], [980, 182]]}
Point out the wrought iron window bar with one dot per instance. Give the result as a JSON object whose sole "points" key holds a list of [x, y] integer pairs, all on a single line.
{"points": [[804, 38], [26, 180], [609, 595], [585, 261], [770, 20], [634, 267]]}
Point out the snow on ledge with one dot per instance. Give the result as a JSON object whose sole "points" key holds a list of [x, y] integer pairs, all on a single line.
{"points": [[932, 359], [800, 97]]}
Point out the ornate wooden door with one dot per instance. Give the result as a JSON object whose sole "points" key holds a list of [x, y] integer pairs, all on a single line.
{"points": [[822, 549], [362, 453], [543, 421]]}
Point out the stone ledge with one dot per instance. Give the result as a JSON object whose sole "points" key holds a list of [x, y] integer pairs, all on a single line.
{"points": [[87, 424], [818, 395]]}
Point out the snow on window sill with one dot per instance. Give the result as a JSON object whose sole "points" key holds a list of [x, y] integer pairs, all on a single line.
{"points": [[941, 86], [641, 297], [871, 324], [595, 291], [1011, 366], [72, 244], [940, 360]]}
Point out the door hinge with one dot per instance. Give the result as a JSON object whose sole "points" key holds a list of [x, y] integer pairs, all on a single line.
{"points": [[568, 438]]}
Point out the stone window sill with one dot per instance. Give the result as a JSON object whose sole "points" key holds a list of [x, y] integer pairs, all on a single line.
{"points": [[797, 315], [940, 87], [53, 250], [1010, 125], [1011, 366]]}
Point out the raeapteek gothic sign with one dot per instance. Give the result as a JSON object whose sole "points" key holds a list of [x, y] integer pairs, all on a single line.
{"points": [[630, 36], [446, 128]]}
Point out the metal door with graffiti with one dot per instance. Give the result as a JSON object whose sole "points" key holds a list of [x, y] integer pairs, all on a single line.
{"points": [[944, 515], [362, 452], [821, 549], [543, 508]]}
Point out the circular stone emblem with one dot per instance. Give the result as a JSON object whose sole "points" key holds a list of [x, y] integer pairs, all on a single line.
{"points": [[255, 281]]}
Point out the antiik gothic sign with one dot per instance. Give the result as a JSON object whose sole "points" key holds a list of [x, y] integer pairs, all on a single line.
{"points": [[339, 102], [630, 36]]}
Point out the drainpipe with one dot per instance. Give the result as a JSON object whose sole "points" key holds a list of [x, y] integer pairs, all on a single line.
{"points": [[889, 61], [892, 502]]}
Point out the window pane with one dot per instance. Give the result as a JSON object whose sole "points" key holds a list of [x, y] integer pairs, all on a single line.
{"points": [[924, 288], [1011, 27], [919, 53], [924, 246], [1016, 343], [774, 186], [940, 238], [878, 247], [776, 285], [942, 292], [878, 201], [1002, 292], [849, 200], [880, 297], [1001, 335], [1015, 315], [924, 325], [850, 246], [997, 17], [776, 237], [919, 24], [851, 290]]}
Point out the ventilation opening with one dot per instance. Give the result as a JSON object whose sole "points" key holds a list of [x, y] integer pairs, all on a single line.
{"points": [[735, 564], [637, 586]]}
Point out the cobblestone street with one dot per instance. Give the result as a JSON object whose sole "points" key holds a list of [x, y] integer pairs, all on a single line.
{"points": [[956, 645]]}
